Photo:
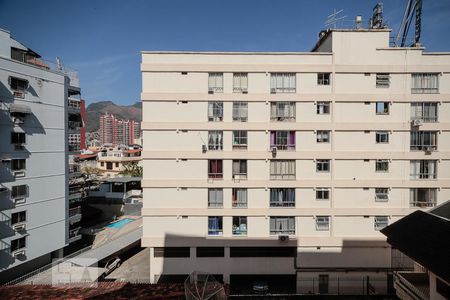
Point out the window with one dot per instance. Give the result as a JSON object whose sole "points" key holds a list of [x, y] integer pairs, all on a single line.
{"points": [[425, 83], [210, 251], [109, 165], [215, 140], [215, 82], [240, 82], [381, 165], [423, 197], [323, 136], [380, 222], [282, 197], [282, 140], [19, 191], [117, 164], [323, 78], [18, 244], [102, 164], [381, 194], [18, 138], [423, 140], [425, 111], [282, 169], [240, 111], [323, 165], [382, 137], [323, 108], [282, 83], [239, 226], [18, 84], [18, 164], [239, 198], [382, 108], [282, 111], [239, 139], [215, 111], [282, 225], [263, 251], [322, 223], [215, 168], [322, 194], [215, 226], [423, 169], [215, 198], [18, 217], [240, 169], [383, 80], [172, 252]]}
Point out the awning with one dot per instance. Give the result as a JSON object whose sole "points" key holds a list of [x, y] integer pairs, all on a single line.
{"points": [[19, 108]]}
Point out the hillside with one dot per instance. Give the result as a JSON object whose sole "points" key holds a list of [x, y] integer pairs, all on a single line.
{"points": [[95, 110]]}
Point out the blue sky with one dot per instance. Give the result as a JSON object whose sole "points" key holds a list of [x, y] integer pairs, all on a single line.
{"points": [[102, 39]]}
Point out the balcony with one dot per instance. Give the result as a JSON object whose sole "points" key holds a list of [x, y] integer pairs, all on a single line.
{"points": [[74, 215], [411, 285], [74, 105]]}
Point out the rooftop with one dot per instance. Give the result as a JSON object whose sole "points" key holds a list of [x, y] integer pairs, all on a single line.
{"points": [[122, 179]]}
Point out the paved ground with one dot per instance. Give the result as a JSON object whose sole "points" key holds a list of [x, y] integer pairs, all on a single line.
{"points": [[135, 269]]}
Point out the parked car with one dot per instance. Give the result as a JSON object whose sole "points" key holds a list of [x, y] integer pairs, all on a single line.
{"points": [[112, 264]]}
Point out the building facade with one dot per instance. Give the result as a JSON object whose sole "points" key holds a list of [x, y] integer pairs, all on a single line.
{"points": [[117, 131], [283, 167], [35, 128]]}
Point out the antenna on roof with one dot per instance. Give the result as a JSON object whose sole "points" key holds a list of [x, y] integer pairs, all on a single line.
{"points": [[376, 22], [334, 18]]}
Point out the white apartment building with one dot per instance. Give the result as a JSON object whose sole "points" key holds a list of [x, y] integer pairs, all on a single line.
{"points": [[282, 167]]}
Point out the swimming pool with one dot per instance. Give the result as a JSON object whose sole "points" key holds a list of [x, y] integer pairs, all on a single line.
{"points": [[119, 224]]}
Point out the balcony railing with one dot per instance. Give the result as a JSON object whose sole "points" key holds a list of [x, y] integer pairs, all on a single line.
{"points": [[423, 204], [284, 203], [411, 285], [74, 125], [419, 90], [423, 176], [283, 146]]}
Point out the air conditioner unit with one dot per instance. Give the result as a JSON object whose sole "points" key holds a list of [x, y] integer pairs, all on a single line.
{"points": [[210, 91], [273, 91], [19, 253], [417, 122], [19, 94], [19, 173], [244, 91], [283, 238], [19, 227]]}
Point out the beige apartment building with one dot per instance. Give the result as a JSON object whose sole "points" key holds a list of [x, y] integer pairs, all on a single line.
{"points": [[277, 170]]}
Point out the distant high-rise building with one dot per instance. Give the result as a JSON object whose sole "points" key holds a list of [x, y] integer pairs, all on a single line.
{"points": [[118, 131], [40, 129]]}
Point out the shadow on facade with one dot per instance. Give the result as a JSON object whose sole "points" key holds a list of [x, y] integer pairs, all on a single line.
{"points": [[269, 266]]}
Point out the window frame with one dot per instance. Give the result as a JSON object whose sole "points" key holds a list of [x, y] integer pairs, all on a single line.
{"points": [[240, 111], [215, 82], [217, 144], [323, 223], [287, 193], [21, 217], [382, 111], [217, 194], [324, 191], [18, 138], [17, 188], [21, 164], [219, 230], [235, 201], [379, 137], [278, 165], [379, 221], [237, 136], [281, 82], [320, 134], [278, 111], [238, 231], [379, 163], [21, 244], [323, 107], [240, 82], [241, 170], [425, 83], [383, 80], [217, 174], [16, 86], [420, 138], [215, 111], [320, 165], [323, 78], [381, 194], [282, 231]]}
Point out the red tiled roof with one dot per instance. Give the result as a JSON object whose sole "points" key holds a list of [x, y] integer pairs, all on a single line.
{"points": [[133, 151], [84, 156]]}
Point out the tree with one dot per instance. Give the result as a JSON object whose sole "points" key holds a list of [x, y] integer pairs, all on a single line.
{"points": [[131, 169]]}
